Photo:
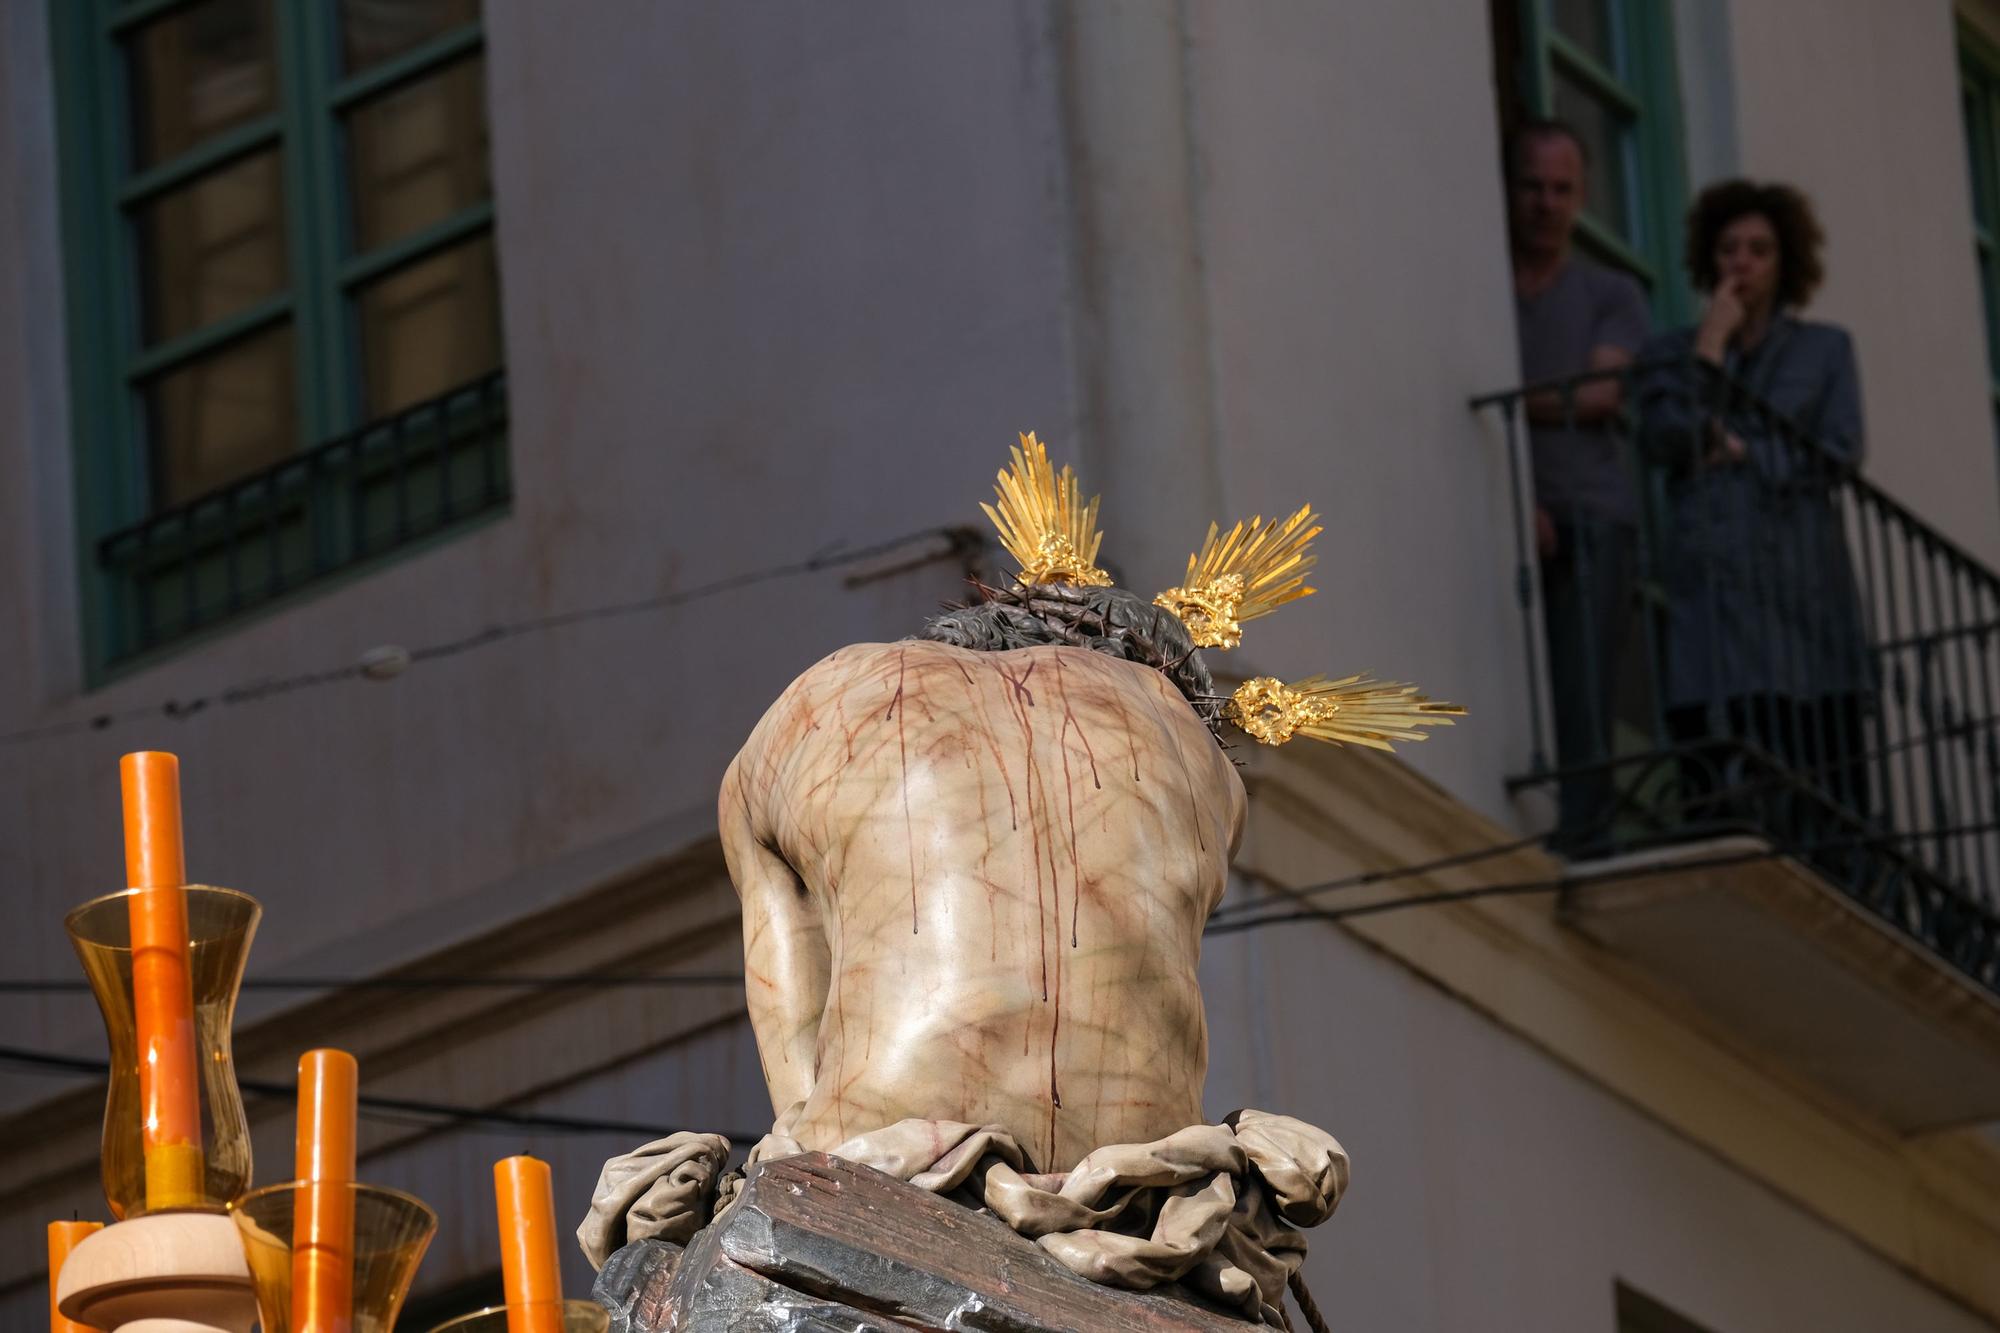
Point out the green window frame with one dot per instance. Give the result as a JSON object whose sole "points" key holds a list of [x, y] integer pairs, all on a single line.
{"points": [[320, 261], [1607, 68], [1979, 103]]}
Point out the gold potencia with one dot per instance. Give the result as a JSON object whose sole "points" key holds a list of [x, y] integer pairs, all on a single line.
{"points": [[1355, 710], [1251, 572], [1043, 523]]}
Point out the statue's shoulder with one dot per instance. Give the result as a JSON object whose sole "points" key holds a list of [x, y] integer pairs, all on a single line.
{"points": [[861, 654], [856, 661], [814, 695], [871, 661]]}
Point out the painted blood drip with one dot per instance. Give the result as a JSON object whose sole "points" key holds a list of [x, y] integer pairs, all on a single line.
{"points": [[993, 745], [903, 752], [1194, 806], [1020, 701], [1131, 741], [1055, 1092], [1069, 796]]}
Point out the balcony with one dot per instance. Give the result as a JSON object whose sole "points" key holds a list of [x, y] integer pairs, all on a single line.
{"points": [[386, 487], [1772, 745]]}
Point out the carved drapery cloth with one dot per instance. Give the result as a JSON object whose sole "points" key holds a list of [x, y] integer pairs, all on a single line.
{"points": [[1216, 1207]]}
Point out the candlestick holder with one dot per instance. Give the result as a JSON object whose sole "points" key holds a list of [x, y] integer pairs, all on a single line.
{"points": [[221, 924], [574, 1317], [161, 1273], [347, 1278]]}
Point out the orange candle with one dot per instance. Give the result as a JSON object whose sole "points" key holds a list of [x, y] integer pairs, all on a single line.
{"points": [[64, 1237], [162, 986], [323, 1211], [529, 1273]]}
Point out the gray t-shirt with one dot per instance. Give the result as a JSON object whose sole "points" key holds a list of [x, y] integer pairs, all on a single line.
{"points": [[1580, 473]]}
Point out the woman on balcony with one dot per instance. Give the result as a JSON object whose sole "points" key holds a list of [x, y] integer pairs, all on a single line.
{"points": [[1750, 419]]}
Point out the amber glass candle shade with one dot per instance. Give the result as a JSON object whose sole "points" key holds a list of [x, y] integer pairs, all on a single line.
{"points": [[391, 1231], [575, 1317], [221, 924]]}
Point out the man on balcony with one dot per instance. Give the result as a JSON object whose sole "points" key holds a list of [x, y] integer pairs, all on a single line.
{"points": [[1573, 318]]}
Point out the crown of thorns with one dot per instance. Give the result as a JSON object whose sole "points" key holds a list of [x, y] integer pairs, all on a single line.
{"points": [[1238, 576]]}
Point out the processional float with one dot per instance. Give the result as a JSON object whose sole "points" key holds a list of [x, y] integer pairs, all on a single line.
{"points": [[974, 868]]}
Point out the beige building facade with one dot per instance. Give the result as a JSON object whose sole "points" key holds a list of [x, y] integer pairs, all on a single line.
{"points": [[779, 283]]}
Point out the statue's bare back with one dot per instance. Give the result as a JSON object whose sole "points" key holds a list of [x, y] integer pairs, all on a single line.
{"points": [[974, 885]]}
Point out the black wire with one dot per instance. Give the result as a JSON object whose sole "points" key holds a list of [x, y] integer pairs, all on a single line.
{"points": [[1227, 911], [571, 981], [1550, 884], [394, 1109], [1225, 921], [959, 540], [397, 1109], [1749, 787], [1310, 913], [587, 981]]}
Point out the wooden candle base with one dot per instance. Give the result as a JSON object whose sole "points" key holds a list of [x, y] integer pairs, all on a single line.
{"points": [[164, 1273]]}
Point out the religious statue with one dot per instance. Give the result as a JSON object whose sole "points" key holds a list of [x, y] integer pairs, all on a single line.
{"points": [[975, 866]]}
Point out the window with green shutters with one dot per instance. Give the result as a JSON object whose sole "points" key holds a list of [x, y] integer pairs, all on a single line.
{"points": [[1606, 69], [1979, 100], [284, 299]]}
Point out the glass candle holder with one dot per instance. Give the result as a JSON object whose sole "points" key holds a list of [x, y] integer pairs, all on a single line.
{"points": [[221, 924], [569, 1317], [331, 1256]]}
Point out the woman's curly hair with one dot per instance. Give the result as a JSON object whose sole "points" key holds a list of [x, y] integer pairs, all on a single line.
{"points": [[1790, 214]]}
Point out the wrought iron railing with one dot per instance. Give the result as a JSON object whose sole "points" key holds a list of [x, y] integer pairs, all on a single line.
{"points": [[386, 486], [1793, 654]]}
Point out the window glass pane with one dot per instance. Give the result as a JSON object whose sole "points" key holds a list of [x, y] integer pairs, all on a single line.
{"points": [[1605, 135], [1973, 104], [1588, 24], [221, 416], [430, 327], [197, 71], [211, 247], [417, 154], [1990, 294], [374, 30]]}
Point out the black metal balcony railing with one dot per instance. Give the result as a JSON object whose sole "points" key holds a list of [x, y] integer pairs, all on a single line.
{"points": [[1793, 654], [386, 486]]}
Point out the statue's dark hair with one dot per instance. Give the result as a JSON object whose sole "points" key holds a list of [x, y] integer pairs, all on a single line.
{"points": [[1105, 620]]}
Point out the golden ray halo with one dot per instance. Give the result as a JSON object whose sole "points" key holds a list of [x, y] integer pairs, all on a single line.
{"points": [[1354, 710], [1043, 523], [1255, 569]]}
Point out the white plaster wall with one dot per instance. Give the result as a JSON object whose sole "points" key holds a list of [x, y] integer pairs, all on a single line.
{"points": [[1354, 240], [1496, 1189], [1856, 101]]}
